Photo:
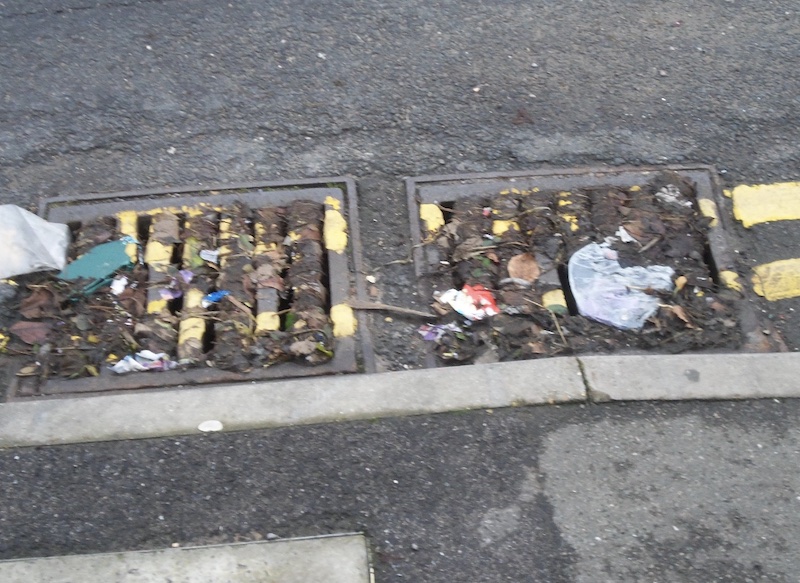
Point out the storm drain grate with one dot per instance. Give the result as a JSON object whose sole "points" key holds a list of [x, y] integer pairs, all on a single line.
{"points": [[231, 283], [512, 236]]}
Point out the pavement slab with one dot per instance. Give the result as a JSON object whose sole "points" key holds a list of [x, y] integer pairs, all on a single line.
{"points": [[334, 559]]}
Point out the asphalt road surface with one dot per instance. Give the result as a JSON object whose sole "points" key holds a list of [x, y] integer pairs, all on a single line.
{"points": [[107, 96], [688, 493]]}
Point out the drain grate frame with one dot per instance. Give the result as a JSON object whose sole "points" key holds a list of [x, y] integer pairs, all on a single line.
{"points": [[446, 190], [352, 353]]}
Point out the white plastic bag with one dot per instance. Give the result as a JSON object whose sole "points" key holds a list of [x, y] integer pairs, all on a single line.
{"points": [[614, 295], [29, 243]]}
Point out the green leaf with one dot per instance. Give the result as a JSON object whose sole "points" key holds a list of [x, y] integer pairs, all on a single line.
{"points": [[245, 242], [323, 350]]}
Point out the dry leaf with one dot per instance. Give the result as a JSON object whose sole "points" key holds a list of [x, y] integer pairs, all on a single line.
{"points": [[28, 371], [31, 332], [525, 267], [40, 303], [681, 314], [680, 283]]}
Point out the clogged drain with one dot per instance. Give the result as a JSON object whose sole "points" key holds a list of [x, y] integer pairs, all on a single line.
{"points": [[217, 286], [585, 270]]}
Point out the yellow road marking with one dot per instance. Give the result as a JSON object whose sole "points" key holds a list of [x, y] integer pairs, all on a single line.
{"points": [[778, 280], [334, 231], [762, 203], [432, 215], [344, 320], [555, 301], [730, 279], [708, 208], [267, 322], [500, 227]]}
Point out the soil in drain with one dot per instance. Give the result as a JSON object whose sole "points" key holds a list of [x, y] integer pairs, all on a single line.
{"points": [[232, 288], [517, 246]]}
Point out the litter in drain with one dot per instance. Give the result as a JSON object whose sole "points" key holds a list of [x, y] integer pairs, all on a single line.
{"points": [[231, 283], [577, 263]]}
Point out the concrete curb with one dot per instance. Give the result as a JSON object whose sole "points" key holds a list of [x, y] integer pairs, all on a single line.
{"points": [[293, 402], [692, 376], [416, 392], [334, 559]]}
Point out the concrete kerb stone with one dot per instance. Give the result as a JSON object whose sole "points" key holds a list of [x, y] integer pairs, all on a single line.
{"points": [[692, 376], [418, 392], [333, 559], [292, 402]]}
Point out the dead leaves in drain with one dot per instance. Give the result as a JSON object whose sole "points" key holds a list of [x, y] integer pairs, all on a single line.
{"points": [[31, 332], [42, 302], [681, 314]]}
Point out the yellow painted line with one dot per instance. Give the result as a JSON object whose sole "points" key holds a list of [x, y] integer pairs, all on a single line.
{"points": [[344, 320], [571, 219], [555, 301], [763, 203], [730, 279], [267, 322], [708, 208], [157, 255], [334, 231], [333, 202], [191, 330], [778, 280], [192, 211], [127, 225], [432, 215], [156, 306], [500, 227]]}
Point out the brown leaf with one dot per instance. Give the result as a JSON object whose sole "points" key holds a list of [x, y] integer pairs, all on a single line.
{"points": [[40, 303], [28, 371], [524, 266], [681, 315], [635, 229], [31, 332]]}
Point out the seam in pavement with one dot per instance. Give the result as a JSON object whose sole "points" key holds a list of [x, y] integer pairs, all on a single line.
{"points": [[260, 405]]}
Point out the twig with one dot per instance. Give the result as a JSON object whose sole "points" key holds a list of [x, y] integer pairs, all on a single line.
{"points": [[560, 331], [649, 245], [555, 321], [242, 307], [364, 305]]}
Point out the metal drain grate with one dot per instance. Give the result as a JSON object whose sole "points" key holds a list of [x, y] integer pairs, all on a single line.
{"points": [[282, 254], [478, 230]]}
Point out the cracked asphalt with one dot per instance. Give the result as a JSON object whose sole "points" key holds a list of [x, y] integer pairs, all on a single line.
{"points": [[109, 96]]}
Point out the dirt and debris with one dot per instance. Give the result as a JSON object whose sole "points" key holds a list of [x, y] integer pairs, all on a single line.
{"points": [[518, 245], [233, 288]]}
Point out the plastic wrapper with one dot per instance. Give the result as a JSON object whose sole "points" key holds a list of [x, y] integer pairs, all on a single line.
{"points": [[30, 243], [609, 293]]}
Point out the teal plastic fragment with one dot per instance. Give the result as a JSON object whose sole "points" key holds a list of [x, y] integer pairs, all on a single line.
{"points": [[98, 265]]}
